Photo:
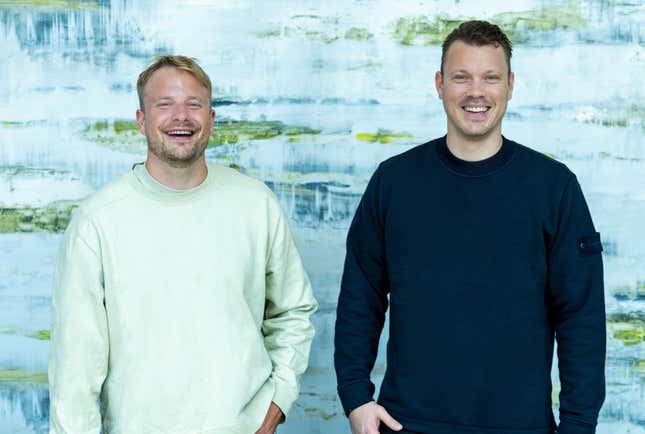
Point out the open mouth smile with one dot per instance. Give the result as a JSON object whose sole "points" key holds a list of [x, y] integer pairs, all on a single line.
{"points": [[476, 109], [476, 112], [179, 133]]}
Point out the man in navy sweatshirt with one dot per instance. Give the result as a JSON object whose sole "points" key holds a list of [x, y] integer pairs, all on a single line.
{"points": [[485, 252]]}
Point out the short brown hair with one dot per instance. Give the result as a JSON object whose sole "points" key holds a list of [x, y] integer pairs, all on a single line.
{"points": [[478, 33], [184, 63]]}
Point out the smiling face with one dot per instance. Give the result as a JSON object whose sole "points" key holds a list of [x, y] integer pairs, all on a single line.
{"points": [[176, 117], [475, 88]]}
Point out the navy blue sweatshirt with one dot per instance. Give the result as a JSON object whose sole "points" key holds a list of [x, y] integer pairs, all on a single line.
{"points": [[482, 265]]}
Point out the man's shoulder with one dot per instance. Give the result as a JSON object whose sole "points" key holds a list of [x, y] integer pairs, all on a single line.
{"points": [[240, 183], [542, 164], [106, 197], [413, 157]]}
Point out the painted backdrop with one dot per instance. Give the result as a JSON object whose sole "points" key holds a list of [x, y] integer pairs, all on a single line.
{"points": [[310, 96]]}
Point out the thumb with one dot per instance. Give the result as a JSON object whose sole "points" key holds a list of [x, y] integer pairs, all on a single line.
{"points": [[389, 420]]}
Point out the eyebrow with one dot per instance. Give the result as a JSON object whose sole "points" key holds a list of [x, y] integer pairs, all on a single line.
{"points": [[170, 98], [463, 71]]}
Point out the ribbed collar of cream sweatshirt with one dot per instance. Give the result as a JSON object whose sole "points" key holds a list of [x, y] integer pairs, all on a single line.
{"points": [[162, 192]]}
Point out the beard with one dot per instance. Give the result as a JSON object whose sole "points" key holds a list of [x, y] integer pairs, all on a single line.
{"points": [[178, 155]]}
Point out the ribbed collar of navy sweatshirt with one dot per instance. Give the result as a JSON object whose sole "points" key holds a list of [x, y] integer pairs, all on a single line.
{"points": [[484, 167]]}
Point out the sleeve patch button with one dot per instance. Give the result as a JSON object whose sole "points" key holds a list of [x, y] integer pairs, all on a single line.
{"points": [[590, 245]]}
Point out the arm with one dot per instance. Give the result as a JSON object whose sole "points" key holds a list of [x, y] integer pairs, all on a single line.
{"points": [[79, 338], [287, 329], [362, 302], [578, 313]]}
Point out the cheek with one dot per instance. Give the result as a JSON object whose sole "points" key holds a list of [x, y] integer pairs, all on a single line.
{"points": [[454, 95], [499, 94]]}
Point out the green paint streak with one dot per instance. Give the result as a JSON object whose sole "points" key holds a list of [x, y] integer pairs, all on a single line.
{"points": [[621, 117], [321, 37], [283, 32], [41, 335], [630, 336], [231, 131], [21, 376], [20, 124], [383, 136], [295, 131], [518, 25], [313, 35], [124, 135], [420, 30], [52, 218], [53, 4], [631, 318], [555, 394], [316, 412], [121, 135], [125, 127], [358, 34]]}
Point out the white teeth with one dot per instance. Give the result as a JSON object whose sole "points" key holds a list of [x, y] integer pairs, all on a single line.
{"points": [[476, 109], [180, 133]]}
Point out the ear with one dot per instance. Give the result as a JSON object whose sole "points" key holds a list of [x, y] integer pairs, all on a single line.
{"points": [[140, 121], [438, 83], [511, 83], [212, 123]]}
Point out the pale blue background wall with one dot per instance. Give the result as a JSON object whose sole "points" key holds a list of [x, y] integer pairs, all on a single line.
{"points": [[323, 90]]}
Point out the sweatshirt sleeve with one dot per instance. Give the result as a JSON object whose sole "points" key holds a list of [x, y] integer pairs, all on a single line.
{"points": [[578, 312], [79, 338], [362, 302], [288, 331]]}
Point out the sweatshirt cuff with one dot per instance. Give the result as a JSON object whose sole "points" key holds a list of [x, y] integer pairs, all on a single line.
{"points": [[284, 396], [355, 394], [570, 427]]}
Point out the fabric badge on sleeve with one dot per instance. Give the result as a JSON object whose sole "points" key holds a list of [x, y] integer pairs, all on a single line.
{"points": [[590, 245]]}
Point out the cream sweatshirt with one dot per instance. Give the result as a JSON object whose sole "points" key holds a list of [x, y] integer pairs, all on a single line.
{"points": [[177, 311]]}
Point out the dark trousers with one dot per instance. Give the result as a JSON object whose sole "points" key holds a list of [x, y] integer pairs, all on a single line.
{"points": [[385, 430]]}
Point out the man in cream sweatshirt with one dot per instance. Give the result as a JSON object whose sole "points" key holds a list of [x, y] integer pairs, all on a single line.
{"points": [[180, 304]]}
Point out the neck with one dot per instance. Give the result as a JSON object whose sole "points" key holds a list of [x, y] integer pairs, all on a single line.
{"points": [[177, 178], [474, 148]]}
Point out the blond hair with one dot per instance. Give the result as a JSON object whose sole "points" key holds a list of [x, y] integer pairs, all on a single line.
{"points": [[183, 63]]}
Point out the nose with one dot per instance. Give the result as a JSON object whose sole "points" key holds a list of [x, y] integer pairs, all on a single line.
{"points": [[476, 88], [180, 112]]}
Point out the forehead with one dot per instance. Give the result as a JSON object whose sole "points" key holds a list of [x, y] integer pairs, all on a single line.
{"points": [[462, 56], [171, 81]]}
